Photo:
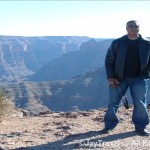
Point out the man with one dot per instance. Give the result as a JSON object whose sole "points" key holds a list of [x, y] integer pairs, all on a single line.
{"points": [[127, 65]]}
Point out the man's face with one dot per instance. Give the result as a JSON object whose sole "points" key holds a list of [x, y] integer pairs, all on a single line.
{"points": [[132, 28]]}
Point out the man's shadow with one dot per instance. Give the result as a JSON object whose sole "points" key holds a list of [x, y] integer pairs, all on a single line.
{"points": [[80, 140]]}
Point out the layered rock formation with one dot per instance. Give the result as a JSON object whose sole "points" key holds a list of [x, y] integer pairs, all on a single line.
{"points": [[90, 56], [85, 92], [23, 56]]}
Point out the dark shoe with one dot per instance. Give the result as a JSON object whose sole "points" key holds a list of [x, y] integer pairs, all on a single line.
{"points": [[106, 131], [143, 132]]}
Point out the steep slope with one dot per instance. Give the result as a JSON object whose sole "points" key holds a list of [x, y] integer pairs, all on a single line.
{"points": [[84, 92], [90, 56]]}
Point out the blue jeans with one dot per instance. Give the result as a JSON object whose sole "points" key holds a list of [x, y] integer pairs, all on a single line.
{"points": [[138, 89]]}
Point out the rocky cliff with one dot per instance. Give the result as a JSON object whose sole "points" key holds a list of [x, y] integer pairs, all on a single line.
{"points": [[23, 56], [85, 92], [91, 55]]}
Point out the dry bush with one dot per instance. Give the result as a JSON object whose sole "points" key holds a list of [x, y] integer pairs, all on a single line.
{"points": [[6, 105]]}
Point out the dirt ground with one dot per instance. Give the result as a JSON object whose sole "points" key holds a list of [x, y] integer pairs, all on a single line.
{"points": [[70, 131]]}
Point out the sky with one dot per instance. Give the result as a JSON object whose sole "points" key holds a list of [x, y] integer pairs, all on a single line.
{"points": [[92, 18]]}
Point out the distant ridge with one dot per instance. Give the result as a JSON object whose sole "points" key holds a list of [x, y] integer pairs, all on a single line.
{"points": [[90, 56], [22, 56]]}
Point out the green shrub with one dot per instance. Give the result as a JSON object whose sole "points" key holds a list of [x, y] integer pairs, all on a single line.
{"points": [[6, 105]]}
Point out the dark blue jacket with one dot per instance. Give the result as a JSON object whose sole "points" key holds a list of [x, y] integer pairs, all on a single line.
{"points": [[115, 58]]}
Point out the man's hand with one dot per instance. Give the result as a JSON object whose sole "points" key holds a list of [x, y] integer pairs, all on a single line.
{"points": [[113, 82]]}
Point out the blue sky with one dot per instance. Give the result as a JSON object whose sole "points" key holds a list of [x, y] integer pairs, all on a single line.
{"points": [[102, 19]]}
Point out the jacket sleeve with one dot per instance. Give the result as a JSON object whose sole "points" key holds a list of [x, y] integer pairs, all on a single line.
{"points": [[145, 60], [110, 60], [148, 66]]}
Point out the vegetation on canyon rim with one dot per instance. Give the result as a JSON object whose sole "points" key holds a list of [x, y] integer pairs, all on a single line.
{"points": [[6, 105]]}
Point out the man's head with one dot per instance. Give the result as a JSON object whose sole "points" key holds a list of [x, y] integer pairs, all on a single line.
{"points": [[132, 27]]}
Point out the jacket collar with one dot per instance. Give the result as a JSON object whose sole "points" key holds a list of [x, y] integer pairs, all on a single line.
{"points": [[125, 37]]}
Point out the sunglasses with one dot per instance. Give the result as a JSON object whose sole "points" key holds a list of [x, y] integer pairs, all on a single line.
{"points": [[133, 26]]}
